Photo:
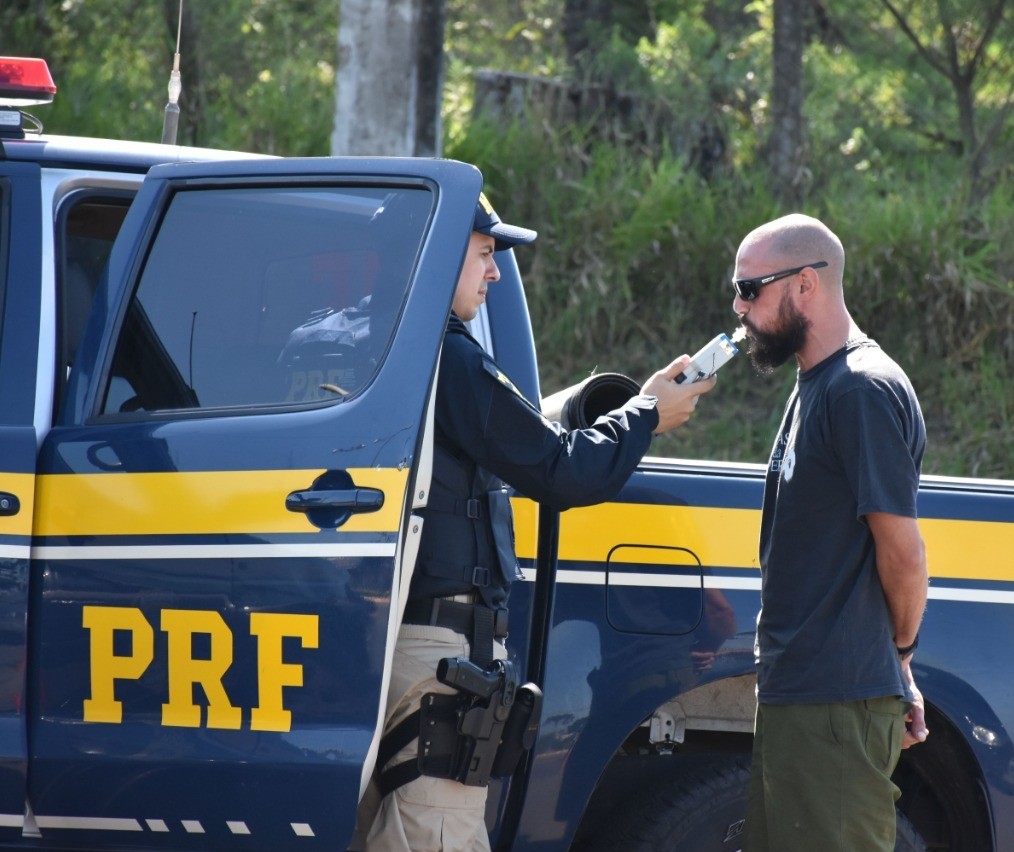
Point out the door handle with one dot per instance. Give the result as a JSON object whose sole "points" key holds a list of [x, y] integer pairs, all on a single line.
{"points": [[333, 499], [9, 504], [353, 499]]}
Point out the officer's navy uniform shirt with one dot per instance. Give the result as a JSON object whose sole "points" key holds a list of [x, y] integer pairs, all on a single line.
{"points": [[483, 420]]}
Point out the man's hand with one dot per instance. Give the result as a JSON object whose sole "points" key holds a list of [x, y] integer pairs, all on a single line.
{"points": [[676, 402], [915, 722]]}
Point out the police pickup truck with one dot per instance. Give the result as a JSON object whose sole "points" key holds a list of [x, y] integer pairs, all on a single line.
{"points": [[217, 377]]}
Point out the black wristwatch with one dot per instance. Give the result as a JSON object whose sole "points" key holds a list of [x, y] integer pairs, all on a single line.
{"points": [[908, 649]]}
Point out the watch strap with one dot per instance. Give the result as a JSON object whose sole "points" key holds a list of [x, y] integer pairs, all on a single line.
{"points": [[908, 649]]}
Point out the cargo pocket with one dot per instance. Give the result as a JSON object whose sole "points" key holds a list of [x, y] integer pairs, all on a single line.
{"points": [[885, 729]]}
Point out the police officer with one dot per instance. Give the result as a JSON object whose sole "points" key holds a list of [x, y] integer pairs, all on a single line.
{"points": [[487, 434]]}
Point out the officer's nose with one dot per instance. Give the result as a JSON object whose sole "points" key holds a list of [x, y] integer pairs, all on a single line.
{"points": [[493, 272]]}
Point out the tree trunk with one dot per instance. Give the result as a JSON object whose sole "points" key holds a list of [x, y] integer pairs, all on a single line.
{"points": [[964, 95], [588, 27], [389, 78], [430, 58], [786, 145], [585, 24]]}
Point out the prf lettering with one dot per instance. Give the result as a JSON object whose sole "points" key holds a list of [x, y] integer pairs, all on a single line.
{"points": [[185, 672]]}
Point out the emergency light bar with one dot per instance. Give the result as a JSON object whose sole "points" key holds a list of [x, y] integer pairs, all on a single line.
{"points": [[25, 82]]}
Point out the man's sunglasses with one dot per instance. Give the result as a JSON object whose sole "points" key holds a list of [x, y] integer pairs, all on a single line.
{"points": [[748, 288]]}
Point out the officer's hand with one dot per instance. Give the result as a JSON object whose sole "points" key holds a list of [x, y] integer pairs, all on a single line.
{"points": [[676, 402]]}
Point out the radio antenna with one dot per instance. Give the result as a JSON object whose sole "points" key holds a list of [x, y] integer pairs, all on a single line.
{"points": [[172, 109]]}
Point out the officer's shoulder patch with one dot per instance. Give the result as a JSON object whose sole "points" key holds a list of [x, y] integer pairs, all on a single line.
{"points": [[501, 377]]}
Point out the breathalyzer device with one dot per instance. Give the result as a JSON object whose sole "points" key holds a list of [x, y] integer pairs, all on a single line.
{"points": [[717, 352]]}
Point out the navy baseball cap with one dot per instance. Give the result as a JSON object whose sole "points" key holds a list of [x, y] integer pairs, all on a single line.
{"points": [[506, 236]]}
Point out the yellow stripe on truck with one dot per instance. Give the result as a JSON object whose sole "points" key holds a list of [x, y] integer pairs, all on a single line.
{"points": [[969, 550], [222, 502], [206, 502], [717, 536], [22, 486]]}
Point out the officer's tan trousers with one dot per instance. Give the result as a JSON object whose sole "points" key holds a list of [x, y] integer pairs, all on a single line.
{"points": [[428, 814]]}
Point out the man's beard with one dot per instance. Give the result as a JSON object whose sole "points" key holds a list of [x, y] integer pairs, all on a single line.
{"points": [[771, 349]]}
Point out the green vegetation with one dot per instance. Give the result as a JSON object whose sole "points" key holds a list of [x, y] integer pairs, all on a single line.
{"points": [[637, 241], [257, 76], [639, 219], [634, 256]]}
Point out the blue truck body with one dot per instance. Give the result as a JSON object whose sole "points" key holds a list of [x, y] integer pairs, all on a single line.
{"points": [[210, 524]]}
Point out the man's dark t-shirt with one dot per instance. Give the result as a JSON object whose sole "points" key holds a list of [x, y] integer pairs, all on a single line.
{"points": [[851, 443]]}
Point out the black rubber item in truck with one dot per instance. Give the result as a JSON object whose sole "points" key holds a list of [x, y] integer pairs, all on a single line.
{"points": [[701, 811]]}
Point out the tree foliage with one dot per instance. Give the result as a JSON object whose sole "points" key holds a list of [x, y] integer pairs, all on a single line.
{"points": [[635, 239], [953, 62], [906, 132], [256, 75]]}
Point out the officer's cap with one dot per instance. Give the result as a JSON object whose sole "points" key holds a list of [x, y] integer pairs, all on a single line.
{"points": [[506, 236]]}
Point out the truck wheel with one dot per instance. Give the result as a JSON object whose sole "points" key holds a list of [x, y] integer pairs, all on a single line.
{"points": [[907, 839], [703, 810]]}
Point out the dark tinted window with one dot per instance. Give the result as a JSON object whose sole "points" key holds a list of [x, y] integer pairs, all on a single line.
{"points": [[5, 228], [87, 225], [267, 296]]}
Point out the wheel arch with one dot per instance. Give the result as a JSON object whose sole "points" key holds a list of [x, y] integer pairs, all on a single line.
{"points": [[943, 789], [687, 733], [715, 721]]}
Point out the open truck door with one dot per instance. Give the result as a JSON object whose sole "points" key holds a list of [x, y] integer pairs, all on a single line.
{"points": [[20, 259], [223, 506]]}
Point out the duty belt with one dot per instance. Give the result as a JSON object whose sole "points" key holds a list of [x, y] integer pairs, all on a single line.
{"points": [[475, 620]]}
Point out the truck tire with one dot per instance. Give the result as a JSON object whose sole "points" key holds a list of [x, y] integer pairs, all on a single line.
{"points": [[908, 839], [703, 810]]}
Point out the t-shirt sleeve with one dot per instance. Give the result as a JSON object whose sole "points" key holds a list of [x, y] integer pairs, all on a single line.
{"points": [[869, 429]]}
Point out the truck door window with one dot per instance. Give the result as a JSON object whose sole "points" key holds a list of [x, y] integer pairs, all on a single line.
{"points": [[87, 226], [5, 202], [266, 296]]}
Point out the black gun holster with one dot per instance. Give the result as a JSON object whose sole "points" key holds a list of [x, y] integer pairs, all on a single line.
{"points": [[481, 730]]}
